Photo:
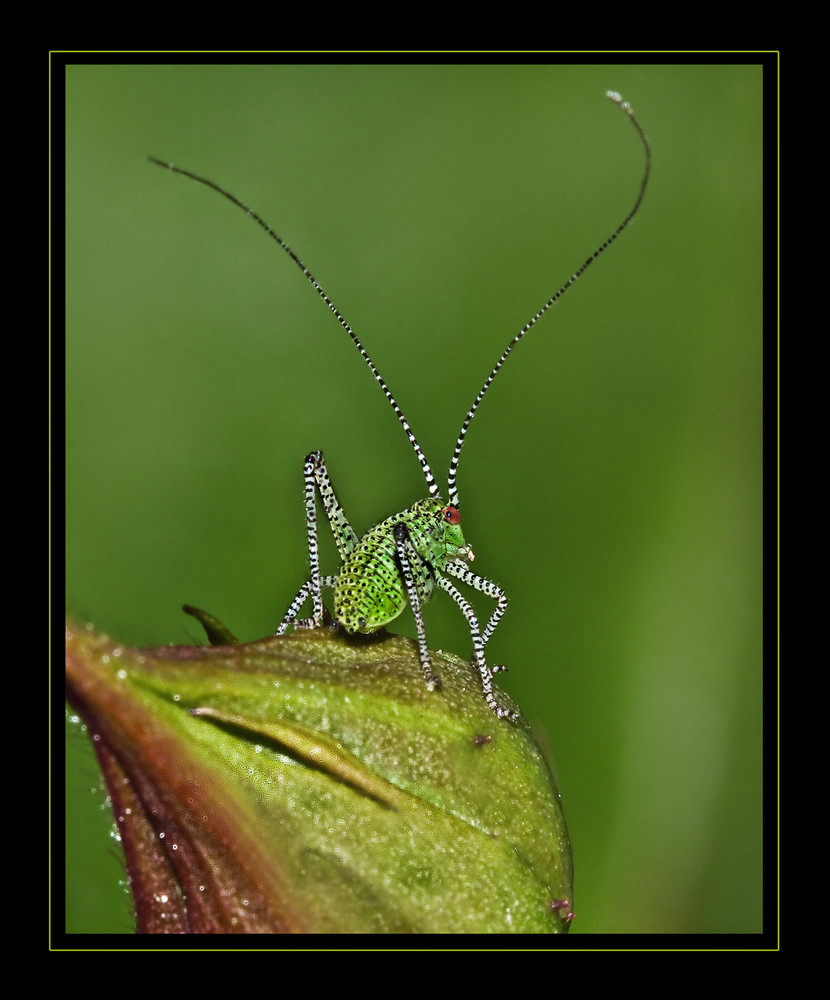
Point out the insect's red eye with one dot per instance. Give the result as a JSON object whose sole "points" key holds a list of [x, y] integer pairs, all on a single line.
{"points": [[452, 515]]}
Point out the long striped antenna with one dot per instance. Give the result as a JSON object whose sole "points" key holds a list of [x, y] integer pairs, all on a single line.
{"points": [[431, 484], [452, 489]]}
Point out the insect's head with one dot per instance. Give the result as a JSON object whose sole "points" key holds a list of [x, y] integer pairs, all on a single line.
{"points": [[456, 547]]}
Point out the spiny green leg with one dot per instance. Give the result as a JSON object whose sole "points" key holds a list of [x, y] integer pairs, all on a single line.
{"points": [[411, 562], [317, 478], [480, 639], [316, 474]]}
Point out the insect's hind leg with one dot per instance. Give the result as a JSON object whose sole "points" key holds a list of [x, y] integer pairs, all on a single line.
{"points": [[317, 479], [302, 596]]}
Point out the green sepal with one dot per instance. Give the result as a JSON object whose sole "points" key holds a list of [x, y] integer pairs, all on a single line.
{"points": [[217, 633]]}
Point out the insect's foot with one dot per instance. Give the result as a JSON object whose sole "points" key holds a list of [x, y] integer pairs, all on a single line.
{"points": [[503, 713], [309, 623], [433, 682], [499, 668], [302, 623], [285, 626], [498, 710]]}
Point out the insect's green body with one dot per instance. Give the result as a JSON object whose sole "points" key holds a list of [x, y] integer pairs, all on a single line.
{"points": [[369, 592], [398, 562], [402, 560]]}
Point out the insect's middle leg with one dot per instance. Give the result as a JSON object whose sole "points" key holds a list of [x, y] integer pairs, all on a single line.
{"points": [[317, 479], [412, 564]]}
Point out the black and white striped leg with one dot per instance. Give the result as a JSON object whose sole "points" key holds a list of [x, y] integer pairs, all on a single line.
{"points": [[409, 559], [317, 479], [479, 660], [302, 596], [492, 590], [316, 475]]}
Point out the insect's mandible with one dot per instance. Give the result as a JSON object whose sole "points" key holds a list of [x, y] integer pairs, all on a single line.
{"points": [[406, 557]]}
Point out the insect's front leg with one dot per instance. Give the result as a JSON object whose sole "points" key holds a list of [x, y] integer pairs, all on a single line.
{"points": [[490, 589], [480, 639], [412, 564], [317, 479]]}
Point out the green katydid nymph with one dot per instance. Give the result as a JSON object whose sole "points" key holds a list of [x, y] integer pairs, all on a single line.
{"points": [[406, 557]]}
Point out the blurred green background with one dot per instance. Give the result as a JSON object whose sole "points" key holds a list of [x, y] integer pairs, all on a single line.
{"points": [[611, 482]]}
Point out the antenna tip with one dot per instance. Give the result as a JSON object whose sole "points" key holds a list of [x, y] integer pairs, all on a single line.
{"points": [[617, 99]]}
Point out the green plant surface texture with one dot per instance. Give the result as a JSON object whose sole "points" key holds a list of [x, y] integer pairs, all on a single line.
{"points": [[314, 784]]}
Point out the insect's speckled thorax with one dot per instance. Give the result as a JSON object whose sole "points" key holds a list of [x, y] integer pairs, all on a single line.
{"points": [[368, 595]]}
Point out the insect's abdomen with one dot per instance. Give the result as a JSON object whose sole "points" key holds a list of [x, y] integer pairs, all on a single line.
{"points": [[370, 592]]}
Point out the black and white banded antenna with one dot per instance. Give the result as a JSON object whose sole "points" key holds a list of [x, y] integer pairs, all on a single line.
{"points": [[452, 489], [432, 486]]}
